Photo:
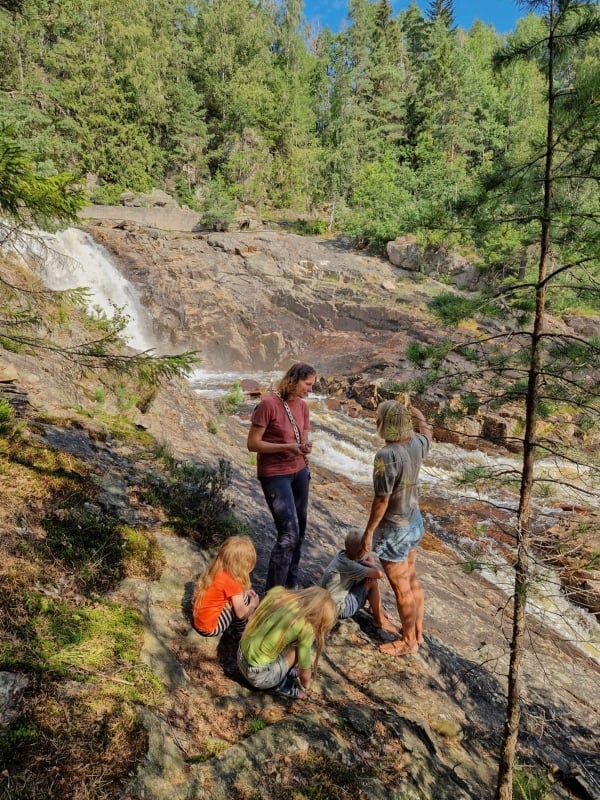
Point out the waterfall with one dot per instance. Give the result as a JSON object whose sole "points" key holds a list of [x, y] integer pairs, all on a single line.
{"points": [[73, 259]]}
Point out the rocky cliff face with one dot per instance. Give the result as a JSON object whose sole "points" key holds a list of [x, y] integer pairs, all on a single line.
{"points": [[260, 300]]}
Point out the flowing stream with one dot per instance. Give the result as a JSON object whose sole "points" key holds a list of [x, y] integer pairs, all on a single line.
{"points": [[342, 444]]}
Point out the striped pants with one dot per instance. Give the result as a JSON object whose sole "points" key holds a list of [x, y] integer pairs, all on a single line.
{"points": [[227, 619]]}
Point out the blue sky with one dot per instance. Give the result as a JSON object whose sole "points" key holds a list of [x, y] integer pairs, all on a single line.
{"points": [[502, 14]]}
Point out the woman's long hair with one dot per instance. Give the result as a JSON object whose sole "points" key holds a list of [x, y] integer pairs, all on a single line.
{"points": [[237, 557], [297, 372], [314, 605], [394, 421]]}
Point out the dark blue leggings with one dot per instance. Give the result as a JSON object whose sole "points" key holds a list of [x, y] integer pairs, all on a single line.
{"points": [[287, 498]]}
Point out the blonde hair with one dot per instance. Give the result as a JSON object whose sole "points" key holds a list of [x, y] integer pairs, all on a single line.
{"points": [[296, 373], [237, 557], [353, 541], [314, 605], [394, 421]]}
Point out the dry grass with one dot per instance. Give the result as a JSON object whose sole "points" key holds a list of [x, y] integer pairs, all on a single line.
{"points": [[75, 734]]}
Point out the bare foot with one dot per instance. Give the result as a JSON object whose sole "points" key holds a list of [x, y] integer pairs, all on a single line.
{"points": [[399, 648], [386, 625]]}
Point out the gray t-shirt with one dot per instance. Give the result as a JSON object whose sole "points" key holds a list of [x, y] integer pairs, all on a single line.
{"points": [[340, 576], [395, 474]]}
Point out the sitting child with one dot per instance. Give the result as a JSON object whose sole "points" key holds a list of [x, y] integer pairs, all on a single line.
{"points": [[275, 653], [352, 577], [223, 597]]}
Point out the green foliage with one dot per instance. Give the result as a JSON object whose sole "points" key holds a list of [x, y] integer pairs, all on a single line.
{"points": [[376, 205], [451, 308], [218, 206], [25, 196], [195, 499], [7, 417], [391, 389], [257, 724], [233, 399], [310, 227], [87, 541], [529, 785], [16, 736], [417, 354], [471, 564]]}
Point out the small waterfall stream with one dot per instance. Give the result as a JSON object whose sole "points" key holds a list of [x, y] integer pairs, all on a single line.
{"points": [[343, 445]]}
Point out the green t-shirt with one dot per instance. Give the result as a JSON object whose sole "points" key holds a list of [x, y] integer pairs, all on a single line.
{"points": [[279, 630]]}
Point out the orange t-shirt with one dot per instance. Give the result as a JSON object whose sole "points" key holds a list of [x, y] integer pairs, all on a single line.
{"points": [[216, 597]]}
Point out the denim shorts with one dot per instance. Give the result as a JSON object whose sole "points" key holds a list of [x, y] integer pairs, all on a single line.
{"points": [[394, 544], [264, 676]]}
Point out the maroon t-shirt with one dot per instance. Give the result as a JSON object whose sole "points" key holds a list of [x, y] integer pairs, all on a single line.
{"points": [[271, 415]]}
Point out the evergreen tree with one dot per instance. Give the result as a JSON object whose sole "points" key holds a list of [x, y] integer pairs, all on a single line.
{"points": [[545, 372], [442, 10], [233, 70], [567, 217], [296, 153]]}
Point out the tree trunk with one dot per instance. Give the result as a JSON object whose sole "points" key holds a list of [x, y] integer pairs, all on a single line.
{"points": [[504, 787]]}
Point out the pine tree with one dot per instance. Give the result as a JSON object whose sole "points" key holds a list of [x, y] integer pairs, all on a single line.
{"points": [[566, 217], [441, 10], [547, 191]]}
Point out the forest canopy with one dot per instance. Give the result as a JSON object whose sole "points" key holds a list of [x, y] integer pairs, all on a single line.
{"points": [[386, 128]]}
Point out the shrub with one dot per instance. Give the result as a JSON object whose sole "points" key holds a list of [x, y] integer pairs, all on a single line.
{"points": [[196, 502]]}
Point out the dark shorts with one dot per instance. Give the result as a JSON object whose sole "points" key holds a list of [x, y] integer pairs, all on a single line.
{"points": [[394, 544]]}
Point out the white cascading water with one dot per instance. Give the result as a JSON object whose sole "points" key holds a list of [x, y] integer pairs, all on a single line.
{"points": [[343, 445], [75, 260]]}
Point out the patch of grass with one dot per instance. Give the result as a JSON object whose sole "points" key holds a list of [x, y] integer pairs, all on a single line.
{"points": [[85, 542], [529, 785], [471, 564], [141, 553], [257, 724], [99, 396], [212, 747], [7, 417], [54, 636]]}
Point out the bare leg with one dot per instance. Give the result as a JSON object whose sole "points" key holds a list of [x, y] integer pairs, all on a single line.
{"points": [[402, 577], [418, 595], [380, 618]]}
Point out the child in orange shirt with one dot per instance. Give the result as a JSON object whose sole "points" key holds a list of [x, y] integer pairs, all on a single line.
{"points": [[223, 597]]}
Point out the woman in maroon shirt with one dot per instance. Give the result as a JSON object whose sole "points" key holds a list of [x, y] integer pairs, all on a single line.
{"points": [[279, 436]]}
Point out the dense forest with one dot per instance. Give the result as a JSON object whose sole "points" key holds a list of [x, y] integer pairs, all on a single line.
{"points": [[385, 128]]}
